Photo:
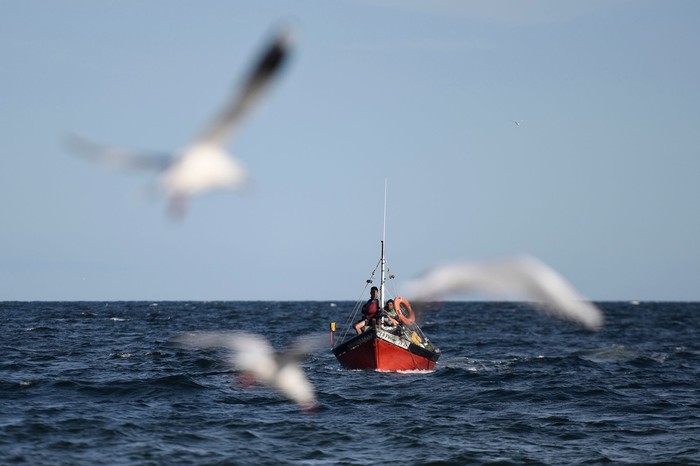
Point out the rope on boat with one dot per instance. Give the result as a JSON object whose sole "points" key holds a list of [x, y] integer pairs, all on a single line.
{"points": [[391, 284], [358, 303]]}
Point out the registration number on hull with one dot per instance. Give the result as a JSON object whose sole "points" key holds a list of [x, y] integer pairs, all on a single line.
{"points": [[386, 336]]}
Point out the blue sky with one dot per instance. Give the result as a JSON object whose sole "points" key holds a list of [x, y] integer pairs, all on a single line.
{"points": [[600, 180]]}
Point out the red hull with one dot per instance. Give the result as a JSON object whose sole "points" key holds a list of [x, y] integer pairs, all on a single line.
{"points": [[380, 350]]}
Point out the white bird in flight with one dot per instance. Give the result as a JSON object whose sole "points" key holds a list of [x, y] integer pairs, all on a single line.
{"points": [[205, 165], [524, 276], [517, 122], [253, 357]]}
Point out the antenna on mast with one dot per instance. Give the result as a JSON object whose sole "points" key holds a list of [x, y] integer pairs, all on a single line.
{"points": [[383, 261], [384, 232]]}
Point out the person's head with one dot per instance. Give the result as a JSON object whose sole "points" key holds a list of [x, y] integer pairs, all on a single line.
{"points": [[374, 292], [390, 305]]}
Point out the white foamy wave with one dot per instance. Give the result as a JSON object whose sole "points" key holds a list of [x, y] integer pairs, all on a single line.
{"points": [[614, 353]]}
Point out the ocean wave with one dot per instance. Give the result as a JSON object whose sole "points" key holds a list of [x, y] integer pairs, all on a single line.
{"points": [[41, 328], [507, 390], [609, 354]]}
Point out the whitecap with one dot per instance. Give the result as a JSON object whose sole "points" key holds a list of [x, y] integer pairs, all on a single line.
{"points": [[659, 357], [614, 353], [411, 371]]}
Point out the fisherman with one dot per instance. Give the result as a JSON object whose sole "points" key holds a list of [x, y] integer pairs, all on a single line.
{"points": [[369, 311]]}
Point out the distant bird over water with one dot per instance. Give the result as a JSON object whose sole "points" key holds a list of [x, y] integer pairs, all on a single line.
{"points": [[517, 122], [253, 358], [205, 165], [524, 276]]}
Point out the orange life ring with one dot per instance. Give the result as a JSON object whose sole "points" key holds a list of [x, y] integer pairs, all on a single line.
{"points": [[409, 319]]}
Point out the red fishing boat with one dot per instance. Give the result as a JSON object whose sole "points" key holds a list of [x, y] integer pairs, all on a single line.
{"points": [[386, 344]]}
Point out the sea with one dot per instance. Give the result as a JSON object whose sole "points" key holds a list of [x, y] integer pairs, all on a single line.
{"points": [[102, 383]]}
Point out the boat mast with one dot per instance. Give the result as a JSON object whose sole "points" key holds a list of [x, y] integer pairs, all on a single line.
{"points": [[383, 261]]}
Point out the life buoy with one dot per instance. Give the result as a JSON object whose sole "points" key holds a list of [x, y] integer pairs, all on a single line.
{"points": [[409, 318]]}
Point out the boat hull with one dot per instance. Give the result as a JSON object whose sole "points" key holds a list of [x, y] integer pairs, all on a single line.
{"points": [[377, 349]]}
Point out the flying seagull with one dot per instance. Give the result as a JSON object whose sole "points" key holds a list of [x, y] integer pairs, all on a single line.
{"points": [[517, 122], [205, 165], [524, 276], [253, 358]]}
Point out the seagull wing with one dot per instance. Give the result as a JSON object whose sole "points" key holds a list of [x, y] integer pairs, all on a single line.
{"points": [[305, 344], [292, 381], [291, 378], [237, 342], [267, 66], [122, 159], [523, 276]]}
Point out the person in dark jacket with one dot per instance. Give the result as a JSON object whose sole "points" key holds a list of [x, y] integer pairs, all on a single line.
{"points": [[369, 311]]}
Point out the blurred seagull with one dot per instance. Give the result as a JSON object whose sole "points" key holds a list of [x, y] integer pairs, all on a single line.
{"points": [[517, 122], [254, 359], [206, 164], [525, 276]]}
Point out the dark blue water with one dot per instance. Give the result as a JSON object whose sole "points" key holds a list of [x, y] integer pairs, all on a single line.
{"points": [[100, 383]]}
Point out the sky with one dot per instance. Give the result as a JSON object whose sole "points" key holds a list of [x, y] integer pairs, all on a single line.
{"points": [[601, 179]]}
